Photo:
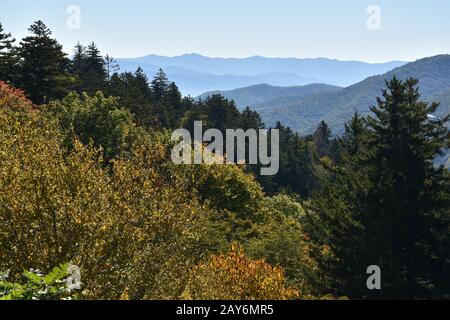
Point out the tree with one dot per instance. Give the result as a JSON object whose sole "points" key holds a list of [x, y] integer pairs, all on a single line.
{"points": [[8, 56], [387, 205], [95, 75], [159, 86], [91, 70], [6, 40], [296, 173], [132, 227], [111, 66], [97, 119], [175, 104], [322, 139], [135, 95], [44, 66], [251, 120], [234, 276], [139, 97], [234, 194], [78, 66], [14, 99], [78, 61], [280, 241], [355, 136], [410, 196]]}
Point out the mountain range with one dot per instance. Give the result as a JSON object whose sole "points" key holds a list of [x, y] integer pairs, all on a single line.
{"points": [[302, 108], [195, 74], [258, 96]]}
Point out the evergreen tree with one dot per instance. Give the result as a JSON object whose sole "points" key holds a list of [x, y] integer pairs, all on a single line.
{"points": [[90, 69], [322, 139], [79, 65], [296, 164], [95, 74], [251, 120], [159, 88], [160, 85], [222, 113], [355, 136], [8, 56], [408, 196], [139, 97], [111, 66], [173, 100], [43, 65], [79, 59], [388, 205], [6, 40]]}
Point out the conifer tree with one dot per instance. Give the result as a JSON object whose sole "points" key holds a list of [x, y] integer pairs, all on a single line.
{"points": [[159, 86], [251, 120], [79, 66], [355, 135], [8, 56], [43, 65], [411, 195], [111, 67], [79, 59], [387, 204], [95, 74], [139, 97], [322, 139]]}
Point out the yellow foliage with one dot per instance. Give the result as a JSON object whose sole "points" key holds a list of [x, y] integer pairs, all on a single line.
{"points": [[234, 276], [131, 229]]}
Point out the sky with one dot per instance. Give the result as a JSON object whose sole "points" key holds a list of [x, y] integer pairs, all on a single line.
{"points": [[344, 30]]}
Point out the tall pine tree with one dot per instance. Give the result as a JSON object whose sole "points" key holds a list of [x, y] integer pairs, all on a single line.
{"points": [[387, 204], [43, 65], [8, 56]]}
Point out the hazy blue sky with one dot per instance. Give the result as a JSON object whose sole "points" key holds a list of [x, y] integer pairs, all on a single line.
{"points": [[410, 29]]}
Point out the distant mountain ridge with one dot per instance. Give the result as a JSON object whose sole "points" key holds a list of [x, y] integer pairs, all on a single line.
{"points": [[264, 93], [195, 74], [304, 113]]}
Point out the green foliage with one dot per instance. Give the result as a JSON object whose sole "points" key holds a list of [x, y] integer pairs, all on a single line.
{"points": [[387, 204], [133, 230], [37, 286], [297, 171], [88, 178], [233, 194], [90, 69], [280, 241], [8, 55], [303, 114], [97, 119], [264, 96], [43, 66]]}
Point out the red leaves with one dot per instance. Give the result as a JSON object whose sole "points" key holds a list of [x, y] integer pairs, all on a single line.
{"points": [[14, 99]]}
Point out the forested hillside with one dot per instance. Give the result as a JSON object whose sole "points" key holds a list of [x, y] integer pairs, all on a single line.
{"points": [[262, 95], [86, 179], [304, 112]]}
